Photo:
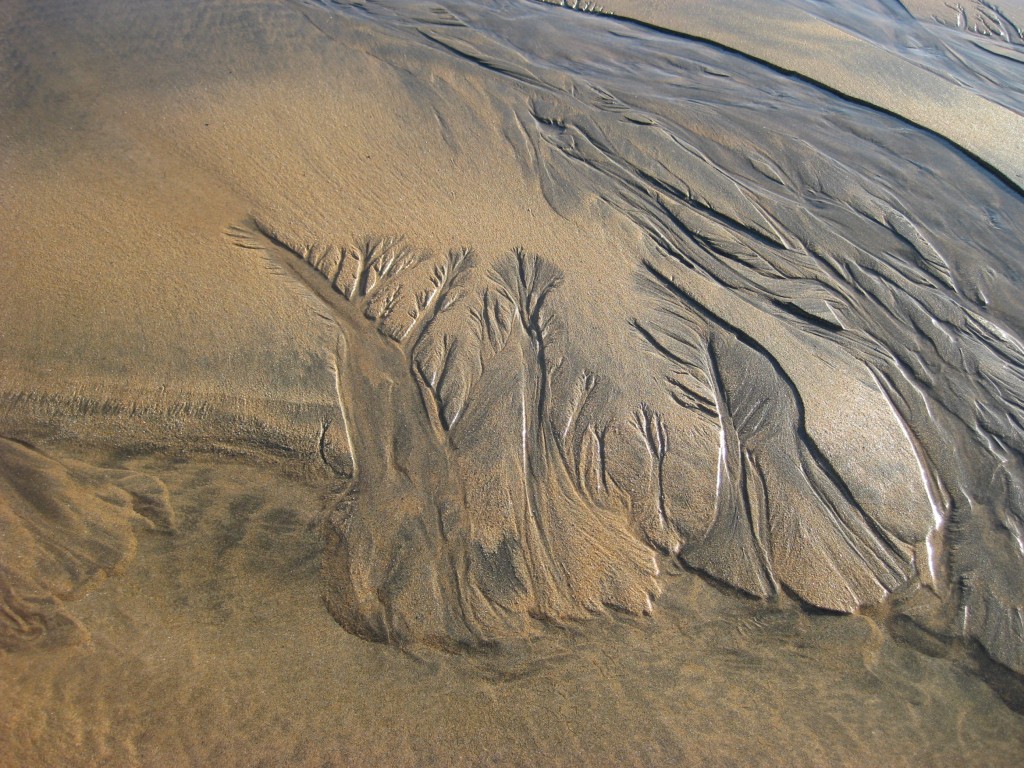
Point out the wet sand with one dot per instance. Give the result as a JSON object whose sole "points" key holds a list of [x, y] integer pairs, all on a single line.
{"points": [[880, 55], [214, 648], [527, 384]]}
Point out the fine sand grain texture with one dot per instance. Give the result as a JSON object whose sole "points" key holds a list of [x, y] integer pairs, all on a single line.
{"points": [[499, 383]]}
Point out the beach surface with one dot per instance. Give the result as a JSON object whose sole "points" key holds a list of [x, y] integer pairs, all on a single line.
{"points": [[500, 383]]}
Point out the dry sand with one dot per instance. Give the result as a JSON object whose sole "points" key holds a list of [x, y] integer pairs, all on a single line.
{"points": [[645, 402]]}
